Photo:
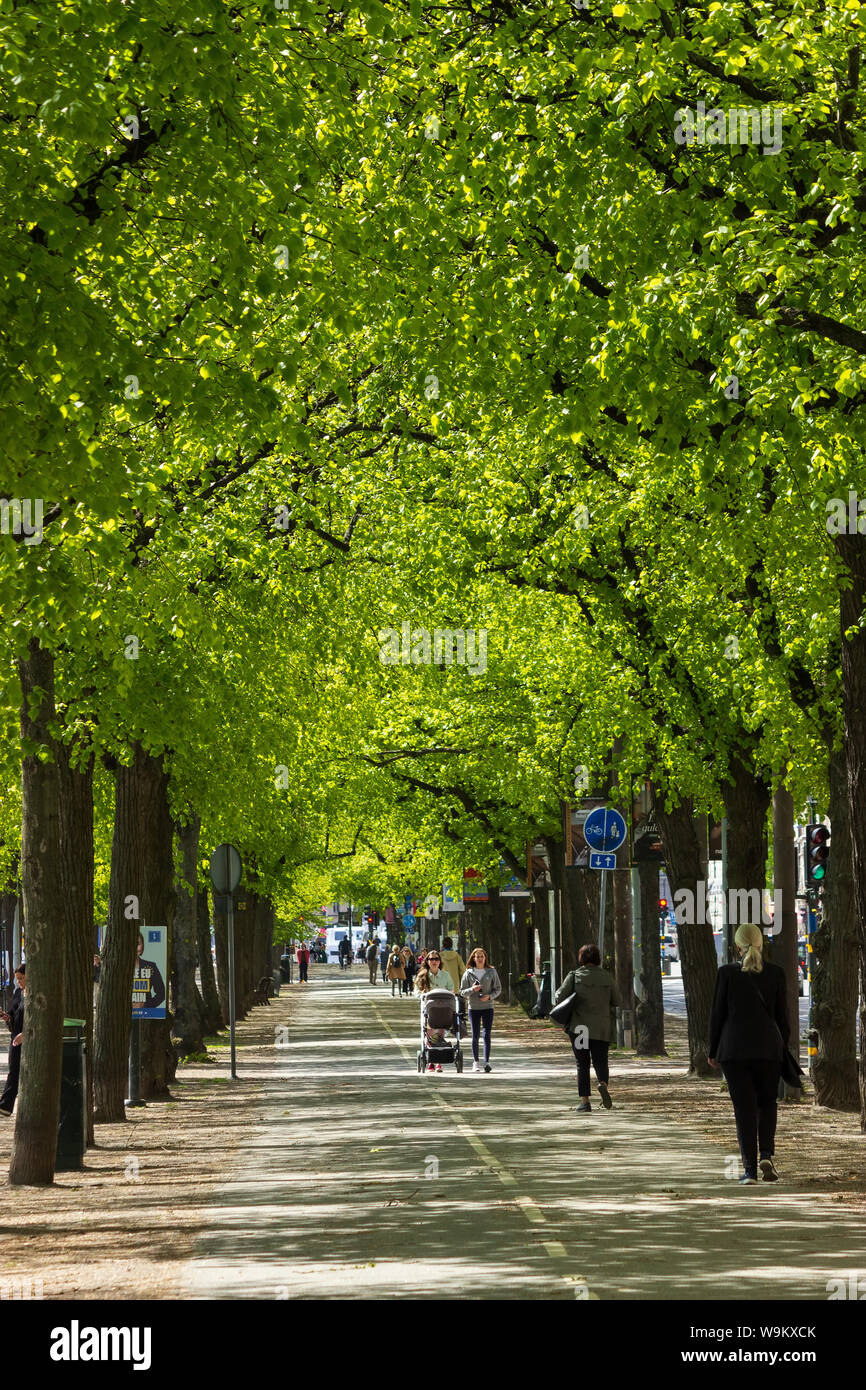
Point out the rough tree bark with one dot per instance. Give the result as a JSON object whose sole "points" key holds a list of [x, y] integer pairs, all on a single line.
{"points": [[834, 962], [139, 809], [783, 951], [213, 1016], [650, 1011], [622, 935], [686, 868], [76, 840], [852, 551], [221, 947], [747, 801], [34, 1145], [187, 1030]]}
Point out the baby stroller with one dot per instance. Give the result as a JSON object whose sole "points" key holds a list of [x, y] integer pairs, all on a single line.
{"points": [[440, 1009]]}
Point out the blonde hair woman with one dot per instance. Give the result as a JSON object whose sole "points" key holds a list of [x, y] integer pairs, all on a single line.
{"points": [[748, 1031], [480, 985]]}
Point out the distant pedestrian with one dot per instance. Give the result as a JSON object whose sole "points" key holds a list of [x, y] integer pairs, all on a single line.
{"points": [[480, 985], [14, 1021], [410, 965], [303, 959], [592, 1023], [344, 953], [452, 961], [749, 1030], [372, 958], [395, 971], [384, 953]]}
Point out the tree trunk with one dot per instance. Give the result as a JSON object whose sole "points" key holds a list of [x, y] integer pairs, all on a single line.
{"points": [[76, 839], [213, 1016], [686, 869], [139, 803], [34, 1146], [834, 962], [747, 801], [187, 1028], [221, 946], [783, 951], [650, 1011], [852, 550], [158, 1057], [622, 932]]}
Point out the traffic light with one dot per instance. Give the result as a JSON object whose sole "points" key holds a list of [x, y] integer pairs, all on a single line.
{"points": [[817, 854]]}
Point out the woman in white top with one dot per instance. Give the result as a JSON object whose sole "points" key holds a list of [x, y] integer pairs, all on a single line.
{"points": [[432, 976]]}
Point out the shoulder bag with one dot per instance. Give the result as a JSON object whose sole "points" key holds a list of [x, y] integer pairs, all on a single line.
{"points": [[791, 1069]]}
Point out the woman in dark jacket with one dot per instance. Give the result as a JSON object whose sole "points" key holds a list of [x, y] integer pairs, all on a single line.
{"points": [[748, 1031], [592, 1023]]}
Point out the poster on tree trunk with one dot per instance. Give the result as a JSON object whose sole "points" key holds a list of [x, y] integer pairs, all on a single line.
{"points": [[148, 982]]}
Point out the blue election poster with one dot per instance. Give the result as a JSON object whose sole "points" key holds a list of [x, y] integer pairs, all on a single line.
{"points": [[148, 982]]}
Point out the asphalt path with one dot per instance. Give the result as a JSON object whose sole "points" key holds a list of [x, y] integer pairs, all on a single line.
{"points": [[357, 1179]]}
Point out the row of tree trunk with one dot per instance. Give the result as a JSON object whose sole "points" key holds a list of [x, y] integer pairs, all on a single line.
{"points": [[149, 885]]}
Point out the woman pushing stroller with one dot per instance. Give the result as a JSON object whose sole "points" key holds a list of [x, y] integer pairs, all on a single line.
{"points": [[432, 976]]}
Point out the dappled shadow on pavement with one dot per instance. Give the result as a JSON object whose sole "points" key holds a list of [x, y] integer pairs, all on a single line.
{"points": [[358, 1178]]}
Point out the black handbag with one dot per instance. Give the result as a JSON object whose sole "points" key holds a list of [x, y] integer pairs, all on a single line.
{"points": [[791, 1069], [561, 1013]]}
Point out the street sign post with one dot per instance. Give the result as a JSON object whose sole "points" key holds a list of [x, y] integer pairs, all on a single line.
{"points": [[225, 875], [604, 831], [602, 861]]}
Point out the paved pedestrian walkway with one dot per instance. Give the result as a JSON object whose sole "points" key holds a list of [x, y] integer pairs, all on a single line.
{"points": [[361, 1179]]}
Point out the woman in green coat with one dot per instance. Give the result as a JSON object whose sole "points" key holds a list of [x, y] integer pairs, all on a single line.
{"points": [[592, 1022]]}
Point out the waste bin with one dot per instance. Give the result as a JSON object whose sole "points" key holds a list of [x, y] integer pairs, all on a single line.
{"points": [[286, 969], [525, 992], [72, 1128], [545, 996]]}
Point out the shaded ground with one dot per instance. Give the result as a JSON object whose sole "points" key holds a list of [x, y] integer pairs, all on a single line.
{"points": [[333, 1170]]}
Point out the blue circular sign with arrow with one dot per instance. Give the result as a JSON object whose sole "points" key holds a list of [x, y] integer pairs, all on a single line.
{"points": [[604, 829]]}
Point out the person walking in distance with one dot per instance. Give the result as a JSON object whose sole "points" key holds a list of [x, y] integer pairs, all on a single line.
{"points": [[452, 961], [344, 953], [410, 967], [749, 1030], [372, 958], [384, 953], [14, 1020], [592, 1023], [303, 958], [395, 972], [480, 985]]}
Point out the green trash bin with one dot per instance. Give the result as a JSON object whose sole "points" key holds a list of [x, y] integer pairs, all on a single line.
{"points": [[72, 1129]]}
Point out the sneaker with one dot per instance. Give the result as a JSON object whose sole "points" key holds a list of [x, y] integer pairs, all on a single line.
{"points": [[431, 1067], [476, 1066], [768, 1170], [748, 1180], [487, 1066], [584, 1108], [439, 1066], [605, 1096]]}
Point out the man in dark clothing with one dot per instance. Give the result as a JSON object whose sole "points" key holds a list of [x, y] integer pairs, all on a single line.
{"points": [[373, 960], [14, 1020], [748, 1030]]}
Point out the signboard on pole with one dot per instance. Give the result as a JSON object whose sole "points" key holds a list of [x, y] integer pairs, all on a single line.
{"points": [[148, 982], [538, 873], [474, 887], [604, 830], [576, 848]]}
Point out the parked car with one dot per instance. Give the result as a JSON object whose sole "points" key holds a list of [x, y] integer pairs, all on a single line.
{"points": [[669, 944]]}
